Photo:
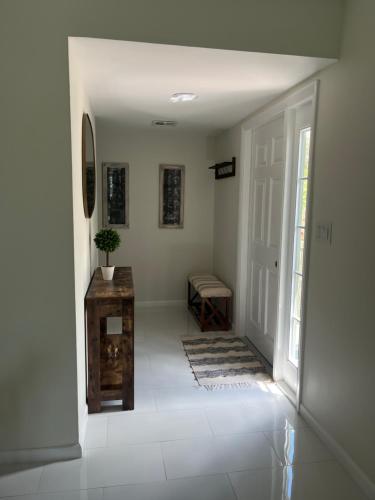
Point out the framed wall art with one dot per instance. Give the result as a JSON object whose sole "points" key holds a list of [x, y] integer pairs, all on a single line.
{"points": [[171, 196], [116, 195]]}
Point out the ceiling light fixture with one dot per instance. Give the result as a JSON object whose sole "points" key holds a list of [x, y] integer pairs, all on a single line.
{"points": [[164, 123], [183, 97]]}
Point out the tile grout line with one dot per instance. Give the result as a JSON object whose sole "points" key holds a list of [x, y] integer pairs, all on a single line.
{"points": [[273, 447], [162, 458], [208, 422], [40, 480], [231, 485], [106, 431], [220, 473], [174, 440]]}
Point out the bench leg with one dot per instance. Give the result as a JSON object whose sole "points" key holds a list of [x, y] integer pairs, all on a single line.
{"points": [[227, 302], [203, 317], [208, 315], [216, 318], [189, 294]]}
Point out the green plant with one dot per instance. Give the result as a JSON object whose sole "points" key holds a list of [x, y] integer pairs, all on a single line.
{"points": [[107, 240]]}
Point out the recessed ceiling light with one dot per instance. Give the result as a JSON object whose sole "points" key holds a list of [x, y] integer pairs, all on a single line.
{"points": [[183, 97], [164, 123]]}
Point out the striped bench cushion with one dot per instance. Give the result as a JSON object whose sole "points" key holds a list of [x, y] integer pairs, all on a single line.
{"points": [[207, 285]]}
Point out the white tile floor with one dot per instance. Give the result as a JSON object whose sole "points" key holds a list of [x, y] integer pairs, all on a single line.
{"points": [[183, 442]]}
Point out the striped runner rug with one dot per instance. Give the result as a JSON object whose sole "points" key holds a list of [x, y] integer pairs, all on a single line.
{"points": [[221, 362]]}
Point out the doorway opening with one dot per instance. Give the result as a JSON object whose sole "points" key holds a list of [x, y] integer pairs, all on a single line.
{"points": [[110, 80]]}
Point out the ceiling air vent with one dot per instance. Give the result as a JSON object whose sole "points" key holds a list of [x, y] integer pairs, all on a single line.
{"points": [[164, 123]]}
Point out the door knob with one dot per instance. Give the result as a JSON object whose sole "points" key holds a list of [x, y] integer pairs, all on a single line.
{"points": [[276, 263]]}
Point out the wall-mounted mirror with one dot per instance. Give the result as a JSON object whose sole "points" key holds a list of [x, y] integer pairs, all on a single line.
{"points": [[88, 167]]}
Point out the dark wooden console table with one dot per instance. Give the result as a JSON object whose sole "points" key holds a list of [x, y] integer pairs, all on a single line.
{"points": [[110, 356]]}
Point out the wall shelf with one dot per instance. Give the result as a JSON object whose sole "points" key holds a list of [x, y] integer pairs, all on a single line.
{"points": [[225, 169]]}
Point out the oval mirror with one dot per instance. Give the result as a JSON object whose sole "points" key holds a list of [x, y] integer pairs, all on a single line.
{"points": [[88, 167]]}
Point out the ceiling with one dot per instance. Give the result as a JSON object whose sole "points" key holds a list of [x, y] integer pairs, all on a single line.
{"points": [[131, 82]]}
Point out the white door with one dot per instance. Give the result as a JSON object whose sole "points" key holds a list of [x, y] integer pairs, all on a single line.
{"points": [[266, 202]]}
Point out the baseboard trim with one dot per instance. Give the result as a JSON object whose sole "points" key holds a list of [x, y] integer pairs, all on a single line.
{"points": [[357, 474], [83, 425], [160, 303], [287, 391], [41, 455]]}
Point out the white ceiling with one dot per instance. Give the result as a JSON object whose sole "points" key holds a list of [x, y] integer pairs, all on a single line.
{"points": [[131, 82]]}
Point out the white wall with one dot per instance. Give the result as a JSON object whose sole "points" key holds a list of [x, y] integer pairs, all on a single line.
{"points": [[85, 253], [339, 368], [339, 371], [227, 145], [161, 258], [38, 360]]}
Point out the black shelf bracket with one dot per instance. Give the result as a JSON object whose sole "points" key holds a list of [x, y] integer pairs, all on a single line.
{"points": [[225, 169]]}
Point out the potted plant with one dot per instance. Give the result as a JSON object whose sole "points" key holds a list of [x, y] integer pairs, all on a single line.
{"points": [[107, 240]]}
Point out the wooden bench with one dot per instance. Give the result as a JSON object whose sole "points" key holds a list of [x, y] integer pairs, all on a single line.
{"points": [[209, 300]]}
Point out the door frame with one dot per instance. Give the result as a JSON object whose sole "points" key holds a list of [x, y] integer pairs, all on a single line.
{"points": [[285, 105]]}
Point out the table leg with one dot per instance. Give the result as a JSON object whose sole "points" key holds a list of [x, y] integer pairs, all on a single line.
{"points": [[93, 340], [103, 326], [128, 349]]}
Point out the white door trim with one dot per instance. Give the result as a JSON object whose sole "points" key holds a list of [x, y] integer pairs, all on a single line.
{"points": [[308, 92], [308, 236], [243, 230]]}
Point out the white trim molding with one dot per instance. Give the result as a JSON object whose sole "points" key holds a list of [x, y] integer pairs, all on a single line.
{"points": [[83, 425], [357, 474], [41, 455], [243, 231], [282, 106], [287, 391]]}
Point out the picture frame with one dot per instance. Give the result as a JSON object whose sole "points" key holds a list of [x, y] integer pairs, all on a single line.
{"points": [[171, 196], [115, 195]]}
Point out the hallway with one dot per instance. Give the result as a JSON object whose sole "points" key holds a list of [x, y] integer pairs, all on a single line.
{"points": [[183, 442]]}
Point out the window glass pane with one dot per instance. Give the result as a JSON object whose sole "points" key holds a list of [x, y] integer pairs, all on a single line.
{"points": [[299, 250], [302, 202], [294, 342], [299, 244], [297, 295], [305, 152]]}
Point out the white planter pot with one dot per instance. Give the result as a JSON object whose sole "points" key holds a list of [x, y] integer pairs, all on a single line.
{"points": [[107, 272]]}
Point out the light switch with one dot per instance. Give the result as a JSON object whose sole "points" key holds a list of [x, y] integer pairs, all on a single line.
{"points": [[323, 232]]}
